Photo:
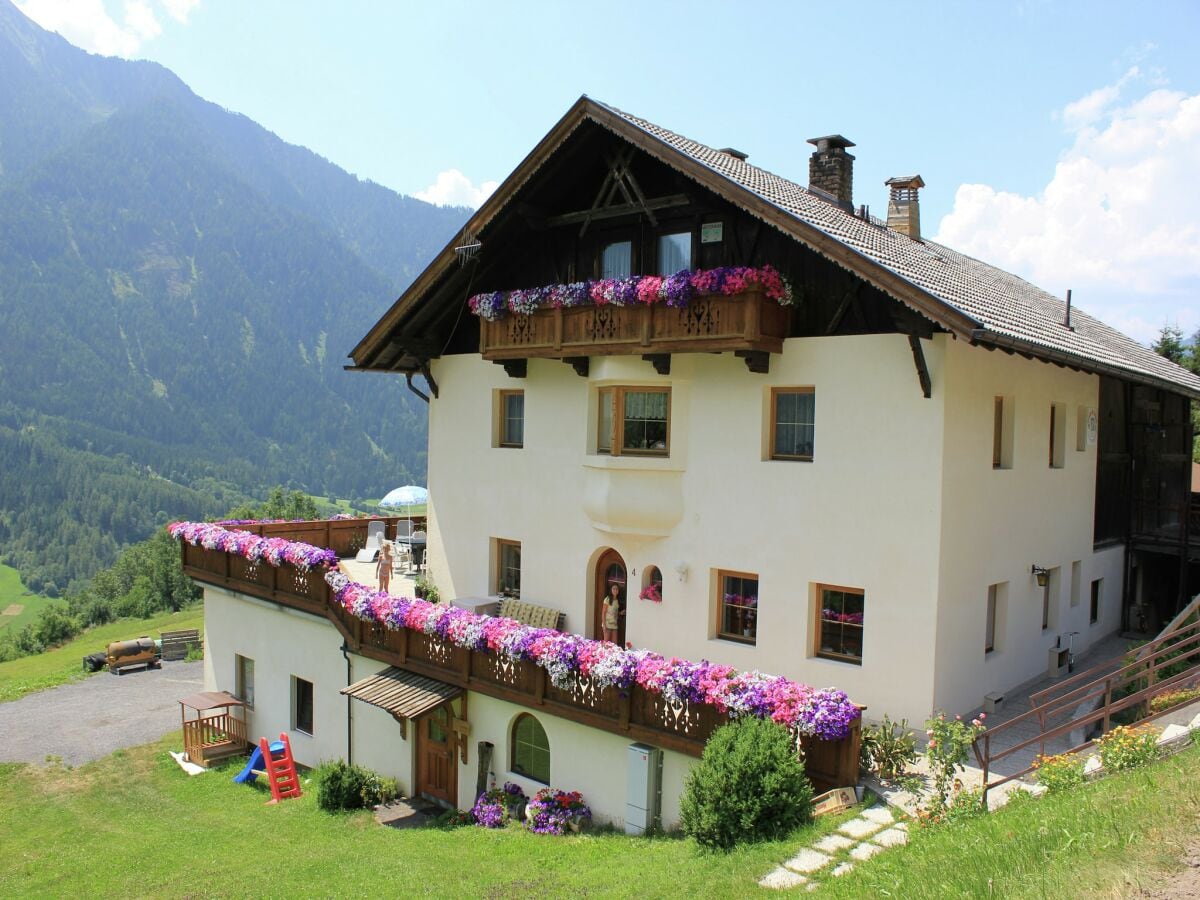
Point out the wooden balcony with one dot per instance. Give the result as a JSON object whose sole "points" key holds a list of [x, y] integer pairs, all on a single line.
{"points": [[636, 714], [749, 323]]}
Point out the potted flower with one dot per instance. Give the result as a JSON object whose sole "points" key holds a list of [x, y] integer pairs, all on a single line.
{"points": [[652, 592], [553, 812], [425, 589], [495, 808]]}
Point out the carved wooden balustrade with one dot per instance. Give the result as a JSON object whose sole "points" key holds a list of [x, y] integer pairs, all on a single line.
{"points": [[746, 322], [636, 714]]}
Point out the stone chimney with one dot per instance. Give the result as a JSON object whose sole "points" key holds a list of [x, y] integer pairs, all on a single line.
{"points": [[831, 170], [904, 209]]}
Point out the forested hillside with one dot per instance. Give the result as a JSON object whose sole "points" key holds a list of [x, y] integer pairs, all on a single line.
{"points": [[179, 291]]}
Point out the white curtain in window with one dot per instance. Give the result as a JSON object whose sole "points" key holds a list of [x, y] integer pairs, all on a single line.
{"points": [[617, 260], [674, 253]]}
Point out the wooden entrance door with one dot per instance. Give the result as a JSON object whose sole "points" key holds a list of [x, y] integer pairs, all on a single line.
{"points": [[610, 570], [437, 775]]}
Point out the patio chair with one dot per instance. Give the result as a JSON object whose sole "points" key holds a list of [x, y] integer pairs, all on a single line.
{"points": [[370, 550], [404, 529]]}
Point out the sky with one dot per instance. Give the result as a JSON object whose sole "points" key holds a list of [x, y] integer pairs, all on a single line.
{"points": [[1058, 140]]}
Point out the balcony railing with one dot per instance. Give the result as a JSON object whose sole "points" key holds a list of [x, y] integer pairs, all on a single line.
{"points": [[746, 322], [636, 714]]}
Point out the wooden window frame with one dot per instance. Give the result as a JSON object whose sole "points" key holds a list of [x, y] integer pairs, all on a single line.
{"points": [[239, 679], [772, 451], [312, 706], [743, 638], [819, 623], [617, 438], [501, 544], [502, 419], [515, 741]]}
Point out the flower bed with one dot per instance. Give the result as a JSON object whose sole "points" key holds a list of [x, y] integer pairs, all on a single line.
{"points": [[552, 812], [671, 290], [826, 714]]}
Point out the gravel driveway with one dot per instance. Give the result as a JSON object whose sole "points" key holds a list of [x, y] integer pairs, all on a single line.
{"points": [[90, 719]]}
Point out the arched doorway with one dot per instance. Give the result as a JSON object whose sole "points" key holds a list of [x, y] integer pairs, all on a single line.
{"points": [[610, 570]]}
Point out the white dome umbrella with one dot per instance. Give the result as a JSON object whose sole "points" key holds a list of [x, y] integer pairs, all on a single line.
{"points": [[405, 498]]}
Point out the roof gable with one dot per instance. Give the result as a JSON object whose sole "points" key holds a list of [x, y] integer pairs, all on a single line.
{"points": [[972, 300]]}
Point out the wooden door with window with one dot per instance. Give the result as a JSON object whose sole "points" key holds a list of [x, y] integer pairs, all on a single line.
{"points": [[610, 570], [437, 775]]}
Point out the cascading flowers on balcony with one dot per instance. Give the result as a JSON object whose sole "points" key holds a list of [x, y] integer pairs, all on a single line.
{"points": [[671, 290], [826, 714], [254, 548]]}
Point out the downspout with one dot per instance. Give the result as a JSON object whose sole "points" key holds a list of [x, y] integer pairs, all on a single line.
{"points": [[349, 708]]}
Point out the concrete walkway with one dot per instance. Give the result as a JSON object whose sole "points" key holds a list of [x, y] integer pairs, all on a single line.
{"points": [[871, 832]]}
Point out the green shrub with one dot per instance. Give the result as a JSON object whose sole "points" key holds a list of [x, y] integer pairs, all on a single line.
{"points": [[1058, 773], [341, 786], [887, 749], [748, 786]]}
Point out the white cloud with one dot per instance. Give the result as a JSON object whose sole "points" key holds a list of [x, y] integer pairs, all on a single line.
{"points": [[453, 188], [88, 23], [1119, 221], [179, 10]]}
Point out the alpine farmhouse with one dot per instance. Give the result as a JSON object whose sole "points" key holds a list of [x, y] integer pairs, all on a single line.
{"points": [[905, 473]]}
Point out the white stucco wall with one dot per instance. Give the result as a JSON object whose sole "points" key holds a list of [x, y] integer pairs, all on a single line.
{"points": [[864, 513], [997, 523], [581, 759]]}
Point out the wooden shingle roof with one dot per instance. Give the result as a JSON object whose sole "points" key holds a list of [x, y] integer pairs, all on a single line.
{"points": [[404, 694]]}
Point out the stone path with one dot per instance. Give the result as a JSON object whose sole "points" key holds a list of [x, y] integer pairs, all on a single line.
{"points": [[871, 832]]}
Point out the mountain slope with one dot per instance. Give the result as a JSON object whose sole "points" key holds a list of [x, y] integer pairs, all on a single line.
{"points": [[179, 290]]}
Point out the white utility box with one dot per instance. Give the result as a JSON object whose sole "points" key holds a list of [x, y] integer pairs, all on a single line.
{"points": [[643, 795]]}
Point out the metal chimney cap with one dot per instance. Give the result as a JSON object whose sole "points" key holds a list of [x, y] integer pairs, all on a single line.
{"points": [[831, 142], [736, 154]]}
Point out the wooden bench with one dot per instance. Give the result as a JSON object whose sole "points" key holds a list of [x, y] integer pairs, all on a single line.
{"points": [[532, 614], [176, 644]]}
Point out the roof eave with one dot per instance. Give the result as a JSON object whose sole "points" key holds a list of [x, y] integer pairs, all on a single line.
{"points": [[1074, 360]]}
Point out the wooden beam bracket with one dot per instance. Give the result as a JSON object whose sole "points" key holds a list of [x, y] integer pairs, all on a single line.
{"points": [[581, 364], [660, 361], [514, 368], [757, 361], [922, 369]]}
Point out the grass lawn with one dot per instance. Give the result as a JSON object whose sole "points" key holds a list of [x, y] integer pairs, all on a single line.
{"points": [[13, 592], [23, 676], [1109, 838], [137, 825]]}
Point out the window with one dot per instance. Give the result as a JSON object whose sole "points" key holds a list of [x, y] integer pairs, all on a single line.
{"points": [[530, 749], [1058, 435], [652, 584], [840, 623], [634, 421], [793, 423], [243, 679], [616, 260], [1002, 432], [1076, 583], [995, 617], [1081, 428], [674, 252], [1094, 613], [1050, 601], [302, 705], [508, 568], [989, 639], [512, 419], [737, 606]]}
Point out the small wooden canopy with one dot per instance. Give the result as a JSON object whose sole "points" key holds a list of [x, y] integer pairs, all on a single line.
{"points": [[207, 700], [405, 695]]}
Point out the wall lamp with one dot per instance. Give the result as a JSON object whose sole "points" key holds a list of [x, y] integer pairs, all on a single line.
{"points": [[681, 569], [1042, 575]]}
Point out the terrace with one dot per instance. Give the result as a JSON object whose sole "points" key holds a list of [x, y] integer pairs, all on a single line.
{"points": [[636, 713]]}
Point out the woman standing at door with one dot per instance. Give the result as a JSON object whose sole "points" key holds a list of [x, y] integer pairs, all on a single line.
{"points": [[611, 620]]}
